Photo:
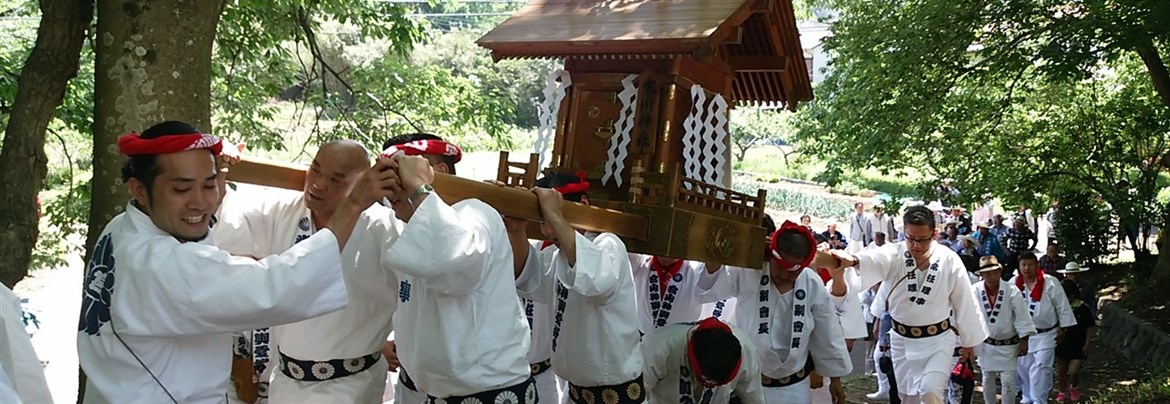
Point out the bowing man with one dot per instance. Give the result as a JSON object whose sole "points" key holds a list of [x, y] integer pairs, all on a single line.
{"points": [[586, 279], [161, 303], [928, 283], [668, 290], [790, 318], [701, 362], [459, 327], [1010, 326], [335, 357]]}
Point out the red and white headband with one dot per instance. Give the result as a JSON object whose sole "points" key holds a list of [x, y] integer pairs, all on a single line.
{"points": [[132, 144], [425, 146]]}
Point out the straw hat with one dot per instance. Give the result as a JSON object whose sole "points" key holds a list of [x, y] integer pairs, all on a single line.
{"points": [[935, 206], [992, 264], [1072, 268]]}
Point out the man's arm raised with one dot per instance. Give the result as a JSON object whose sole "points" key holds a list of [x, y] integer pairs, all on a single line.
{"points": [[378, 182]]}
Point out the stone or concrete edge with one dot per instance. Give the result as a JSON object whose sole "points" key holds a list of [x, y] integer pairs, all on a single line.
{"points": [[1138, 341]]}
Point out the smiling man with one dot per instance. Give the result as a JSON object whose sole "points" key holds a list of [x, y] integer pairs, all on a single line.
{"points": [[162, 332], [929, 285]]}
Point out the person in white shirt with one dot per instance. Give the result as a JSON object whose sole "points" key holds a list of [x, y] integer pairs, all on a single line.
{"points": [[1009, 325], [928, 286], [460, 331], [792, 321], [880, 222], [702, 362], [1051, 313], [860, 230], [160, 302], [586, 280], [23, 375], [337, 356], [668, 291]]}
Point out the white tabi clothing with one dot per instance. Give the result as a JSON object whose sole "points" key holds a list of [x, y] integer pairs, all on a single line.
{"points": [[540, 349], [176, 304], [787, 329], [19, 364], [884, 224], [681, 302], [1007, 318], [358, 331], [540, 322], [923, 365], [460, 329], [597, 341], [667, 369], [1052, 312]]}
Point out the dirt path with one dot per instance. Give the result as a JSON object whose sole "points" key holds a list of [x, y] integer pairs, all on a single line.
{"points": [[1104, 369]]}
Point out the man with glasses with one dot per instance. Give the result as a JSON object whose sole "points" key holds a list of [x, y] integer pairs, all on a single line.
{"points": [[930, 296]]}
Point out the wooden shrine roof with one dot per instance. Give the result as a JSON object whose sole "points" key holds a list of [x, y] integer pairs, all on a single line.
{"points": [[757, 39]]}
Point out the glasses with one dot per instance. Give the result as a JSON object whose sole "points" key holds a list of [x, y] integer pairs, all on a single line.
{"points": [[920, 241]]}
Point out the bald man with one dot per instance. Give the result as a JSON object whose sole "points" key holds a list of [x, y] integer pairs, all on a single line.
{"points": [[335, 357]]}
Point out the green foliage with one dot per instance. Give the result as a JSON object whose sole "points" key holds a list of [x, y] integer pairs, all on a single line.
{"points": [[1085, 229], [1013, 98], [444, 104]]}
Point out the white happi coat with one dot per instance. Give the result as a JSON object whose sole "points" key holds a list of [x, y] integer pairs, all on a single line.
{"points": [[788, 329], [1051, 311], [685, 302], [940, 289], [597, 341], [25, 377], [176, 304], [275, 224], [667, 367], [459, 326], [848, 307], [1007, 318]]}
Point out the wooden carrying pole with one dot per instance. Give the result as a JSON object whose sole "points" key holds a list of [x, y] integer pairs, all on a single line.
{"points": [[508, 201]]}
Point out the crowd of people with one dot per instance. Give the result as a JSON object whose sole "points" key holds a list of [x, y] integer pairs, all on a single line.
{"points": [[195, 294]]}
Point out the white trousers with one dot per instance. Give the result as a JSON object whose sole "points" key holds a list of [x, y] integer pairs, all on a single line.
{"points": [[1007, 379], [1035, 370], [547, 388], [798, 393], [403, 395], [926, 376]]}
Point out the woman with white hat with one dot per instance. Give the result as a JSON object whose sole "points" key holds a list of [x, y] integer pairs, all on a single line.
{"points": [[1074, 271]]}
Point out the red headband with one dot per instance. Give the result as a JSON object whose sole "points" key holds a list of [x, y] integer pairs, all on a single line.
{"points": [[132, 144], [790, 226], [710, 323], [425, 146], [576, 187]]}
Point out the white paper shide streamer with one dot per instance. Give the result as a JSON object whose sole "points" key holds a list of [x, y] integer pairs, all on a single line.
{"points": [[692, 134], [546, 111], [619, 143], [717, 116], [704, 139]]}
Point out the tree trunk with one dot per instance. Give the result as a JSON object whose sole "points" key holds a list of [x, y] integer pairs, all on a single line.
{"points": [[1157, 69], [40, 89], [153, 64]]}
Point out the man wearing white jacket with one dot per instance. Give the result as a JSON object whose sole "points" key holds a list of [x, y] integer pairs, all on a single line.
{"points": [[1010, 326], [1050, 313]]}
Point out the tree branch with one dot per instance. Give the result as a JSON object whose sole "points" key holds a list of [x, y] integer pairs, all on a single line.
{"points": [[1156, 67], [315, 50]]}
